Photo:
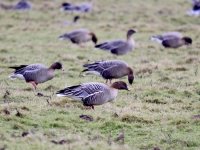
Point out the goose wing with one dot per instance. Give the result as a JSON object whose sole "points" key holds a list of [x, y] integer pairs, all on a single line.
{"points": [[75, 36], [96, 98], [100, 66], [172, 42], [81, 91], [33, 75], [165, 36], [112, 72], [111, 45], [29, 68]]}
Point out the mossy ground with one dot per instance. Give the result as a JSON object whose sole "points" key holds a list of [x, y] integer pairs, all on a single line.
{"points": [[161, 110]]}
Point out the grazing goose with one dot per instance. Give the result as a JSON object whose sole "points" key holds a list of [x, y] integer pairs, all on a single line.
{"points": [[172, 39], [93, 93], [195, 8], [79, 36], [119, 47], [111, 69], [22, 5], [35, 73], [83, 7]]}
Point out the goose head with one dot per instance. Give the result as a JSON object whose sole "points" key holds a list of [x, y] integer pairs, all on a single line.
{"points": [[130, 33], [56, 65], [66, 4], [187, 40], [76, 18], [130, 75], [120, 85], [94, 38]]}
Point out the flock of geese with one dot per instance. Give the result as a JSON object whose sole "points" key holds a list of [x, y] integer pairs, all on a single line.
{"points": [[95, 93]]}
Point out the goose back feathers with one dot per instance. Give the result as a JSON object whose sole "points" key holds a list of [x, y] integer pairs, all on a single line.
{"points": [[79, 36], [111, 69], [22, 5]]}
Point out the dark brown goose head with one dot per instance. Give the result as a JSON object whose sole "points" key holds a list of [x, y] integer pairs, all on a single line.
{"points": [[66, 4], [94, 38], [130, 75], [187, 40], [120, 85], [76, 18], [130, 33], [56, 65]]}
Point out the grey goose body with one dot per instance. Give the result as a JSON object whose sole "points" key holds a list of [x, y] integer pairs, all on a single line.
{"points": [[79, 36], [111, 69], [119, 47], [35, 73], [82, 7], [93, 93], [172, 39]]}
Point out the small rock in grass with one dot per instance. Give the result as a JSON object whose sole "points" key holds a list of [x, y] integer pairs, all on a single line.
{"points": [[120, 137], [61, 142], [18, 114], [25, 133], [156, 148], [6, 111], [86, 117]]}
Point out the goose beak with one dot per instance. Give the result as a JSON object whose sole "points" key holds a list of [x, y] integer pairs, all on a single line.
{"points": [[127, 89]]}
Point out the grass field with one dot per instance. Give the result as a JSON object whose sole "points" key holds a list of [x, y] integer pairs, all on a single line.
{"points": [[162, 110]]}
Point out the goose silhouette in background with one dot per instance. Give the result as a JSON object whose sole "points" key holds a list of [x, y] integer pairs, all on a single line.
{"points": [[21, 5], [119, 47], [82, 7], [195, 11], [35, 73], [110, 69], [172, 39], [93, 93], [79, 36]]}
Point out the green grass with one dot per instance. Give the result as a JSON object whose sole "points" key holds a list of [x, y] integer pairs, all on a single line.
{"points": [[157, 112]]}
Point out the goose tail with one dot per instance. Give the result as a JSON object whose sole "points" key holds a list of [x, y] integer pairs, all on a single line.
{"points": [[16, 76], [156, 39]]}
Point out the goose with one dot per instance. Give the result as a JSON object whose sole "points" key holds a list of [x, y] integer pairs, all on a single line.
{"points": [[195, 8], [119, 47], [172, 39], [93, 93], [82, 7], [35, 73], [110, 69], [79, 36], [22, 5]]}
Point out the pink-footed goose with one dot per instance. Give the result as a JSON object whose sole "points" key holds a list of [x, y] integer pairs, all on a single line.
{"points": [[172, 39], [35, 73], [111, 69], [79, 36], [119, 47], [93, 93]]}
